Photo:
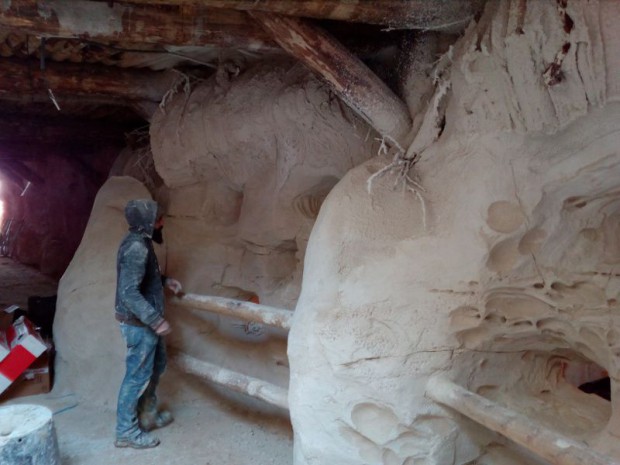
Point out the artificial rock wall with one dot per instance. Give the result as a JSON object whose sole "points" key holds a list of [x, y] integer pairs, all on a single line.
{"points": [[248, 161], [499, 272], [243, 164]]}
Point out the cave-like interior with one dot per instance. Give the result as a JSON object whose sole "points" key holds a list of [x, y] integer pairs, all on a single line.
{"points": [[396, 224]]}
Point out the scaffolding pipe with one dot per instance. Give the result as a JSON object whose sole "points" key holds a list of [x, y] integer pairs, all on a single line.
{"points": [[254, 387], [546, 443], [247, 311]]}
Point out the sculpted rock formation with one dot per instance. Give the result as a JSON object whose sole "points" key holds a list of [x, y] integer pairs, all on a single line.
{"points": [[500, 273], [88, 341], [494, 265], [248, 162], [245, 164]]}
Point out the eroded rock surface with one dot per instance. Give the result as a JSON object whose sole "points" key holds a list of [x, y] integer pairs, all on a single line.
{"points": [[246, 164], [91, 352], [500, 273]]}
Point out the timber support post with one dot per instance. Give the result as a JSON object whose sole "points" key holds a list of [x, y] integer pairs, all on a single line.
{"points": [[346, 74]]}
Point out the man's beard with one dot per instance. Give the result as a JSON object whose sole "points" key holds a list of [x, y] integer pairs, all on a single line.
{"points": [[157, 235]]}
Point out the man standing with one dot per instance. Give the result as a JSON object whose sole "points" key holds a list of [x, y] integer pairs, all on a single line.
{"points": [[140, 311]]}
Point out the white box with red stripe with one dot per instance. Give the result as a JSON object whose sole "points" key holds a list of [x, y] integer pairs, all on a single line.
{"points": [[25, 345]]}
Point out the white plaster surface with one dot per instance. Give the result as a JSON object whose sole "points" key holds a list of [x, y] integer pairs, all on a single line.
{"points": [[499, 269], [246, 164], [511, 280], [21, 420]]}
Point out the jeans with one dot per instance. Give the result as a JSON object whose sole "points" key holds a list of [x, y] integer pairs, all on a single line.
{"points": [[145, 362]]}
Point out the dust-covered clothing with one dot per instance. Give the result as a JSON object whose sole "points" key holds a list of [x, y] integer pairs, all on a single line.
{"points": [[139, 288], [140, 309], [145, 363]]}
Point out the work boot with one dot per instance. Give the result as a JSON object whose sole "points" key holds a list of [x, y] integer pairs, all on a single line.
{"points": [[153, 419], [143, 440]]}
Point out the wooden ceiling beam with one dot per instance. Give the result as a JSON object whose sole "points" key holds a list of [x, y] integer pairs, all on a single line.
{"points": [[23, 77], [346, 74], [15, 128], [448, 15], [174, 25]]}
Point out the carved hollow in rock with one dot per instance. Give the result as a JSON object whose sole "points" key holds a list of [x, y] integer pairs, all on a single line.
{"points": [[531, 241], [309, 202], [503, 256], [505, 217]]}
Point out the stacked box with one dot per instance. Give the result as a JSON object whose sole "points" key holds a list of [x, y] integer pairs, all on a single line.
{"points": [[36, 379]]}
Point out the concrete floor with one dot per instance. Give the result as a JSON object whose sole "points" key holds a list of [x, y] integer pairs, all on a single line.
{"points": [[209, 431]]}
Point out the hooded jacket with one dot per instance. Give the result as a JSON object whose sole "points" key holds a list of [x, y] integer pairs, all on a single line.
{"points": [[139, 288]]}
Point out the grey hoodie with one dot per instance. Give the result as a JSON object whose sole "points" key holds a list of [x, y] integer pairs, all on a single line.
{"points": [[139, 288]]}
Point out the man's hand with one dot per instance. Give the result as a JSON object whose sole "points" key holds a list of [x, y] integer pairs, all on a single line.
{"points": [[174, 285], [163, 328]]}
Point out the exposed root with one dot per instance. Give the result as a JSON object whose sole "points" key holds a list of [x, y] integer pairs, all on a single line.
{"points": [[400, 167], [432, 127], [182, 80]]}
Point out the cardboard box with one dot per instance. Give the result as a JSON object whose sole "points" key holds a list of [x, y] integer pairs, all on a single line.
{"points": [[26, 346], [37, 379]]}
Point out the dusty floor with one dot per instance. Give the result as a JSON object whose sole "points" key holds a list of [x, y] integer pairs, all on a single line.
{"points": [[209, 431]]}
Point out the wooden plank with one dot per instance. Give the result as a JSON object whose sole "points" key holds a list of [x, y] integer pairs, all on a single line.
{"points": [[143, 23], [546, 443], [18, 77], [346, 74], [448, 15]]}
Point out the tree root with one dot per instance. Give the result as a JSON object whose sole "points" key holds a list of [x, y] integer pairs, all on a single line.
{"points": [[400, 168], [181, 80]]}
